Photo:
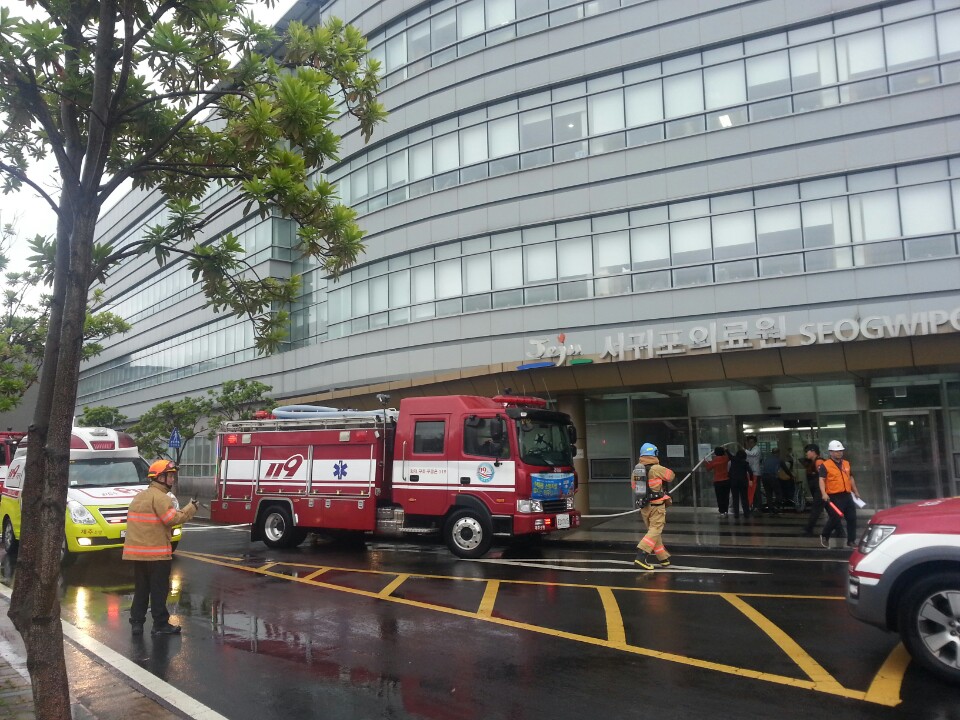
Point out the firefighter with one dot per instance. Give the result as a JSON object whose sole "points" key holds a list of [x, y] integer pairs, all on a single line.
{"points": [[150, 523], [654, 509]]}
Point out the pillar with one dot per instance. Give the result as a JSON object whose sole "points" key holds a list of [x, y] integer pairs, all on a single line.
{"points": [[574, 406]]}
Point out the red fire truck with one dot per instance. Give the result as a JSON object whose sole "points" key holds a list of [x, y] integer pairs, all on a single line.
{"points": [[469, 467]]}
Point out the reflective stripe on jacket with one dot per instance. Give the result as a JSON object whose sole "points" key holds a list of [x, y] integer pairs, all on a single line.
{"points": [[836, 479], [656, 476], [150, 522]]}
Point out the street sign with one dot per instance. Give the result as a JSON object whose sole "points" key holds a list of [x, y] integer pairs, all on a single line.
{"points": [[175, 440]]}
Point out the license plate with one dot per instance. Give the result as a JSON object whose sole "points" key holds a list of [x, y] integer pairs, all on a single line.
{"points": [[123, 534], [563, 521]]}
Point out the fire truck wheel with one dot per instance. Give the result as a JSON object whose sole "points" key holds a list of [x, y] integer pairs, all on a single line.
{"points": [[9, 539], [468, 535], [276, 528]]}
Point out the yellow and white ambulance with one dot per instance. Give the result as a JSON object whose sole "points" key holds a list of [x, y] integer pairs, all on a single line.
{"points": [[106, 472]]}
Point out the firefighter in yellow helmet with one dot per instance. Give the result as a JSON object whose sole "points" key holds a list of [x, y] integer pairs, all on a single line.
{"points": [[653, 502], [150, 523]]}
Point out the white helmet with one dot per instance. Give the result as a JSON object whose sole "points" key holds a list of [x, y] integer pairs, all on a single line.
{"points": [[835, 445]]}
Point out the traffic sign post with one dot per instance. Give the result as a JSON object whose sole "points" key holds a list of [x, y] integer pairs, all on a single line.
{"points": [[175, 440]]}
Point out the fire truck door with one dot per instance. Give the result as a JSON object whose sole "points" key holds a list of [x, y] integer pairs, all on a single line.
{"points": [[421, 480], [237, 472]]}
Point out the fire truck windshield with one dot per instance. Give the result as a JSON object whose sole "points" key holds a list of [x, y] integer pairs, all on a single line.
{"points": [[543, 442], [107, 472]]}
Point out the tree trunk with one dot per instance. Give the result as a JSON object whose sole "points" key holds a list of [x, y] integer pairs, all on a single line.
{"points": [[35, 604]]}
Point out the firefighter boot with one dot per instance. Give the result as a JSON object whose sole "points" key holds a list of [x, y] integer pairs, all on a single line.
{"points": [[665, 563], [643, 560]]}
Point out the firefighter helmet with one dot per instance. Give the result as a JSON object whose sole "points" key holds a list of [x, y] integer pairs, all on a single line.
{"points": [[649, 449], [160, 467]]}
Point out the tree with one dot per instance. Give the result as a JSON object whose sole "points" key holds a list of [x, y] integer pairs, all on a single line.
{"points": [[239, 400], [175, 95], [192, 417], [102, 416], [152, 432], [23, 326]]}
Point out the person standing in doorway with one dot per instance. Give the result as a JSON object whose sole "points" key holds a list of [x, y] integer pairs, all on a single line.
{"points": [[811, 463], [753, 459], [771, 481], [150, 521], [654, 510], [837, 489], [719, 464], [740, 478]]}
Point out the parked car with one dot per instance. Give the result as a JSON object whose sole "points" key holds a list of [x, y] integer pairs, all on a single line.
{"points": [[905, 577]]}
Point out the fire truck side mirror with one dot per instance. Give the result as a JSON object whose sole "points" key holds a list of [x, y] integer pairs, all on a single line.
{"points": [[572, 434]]}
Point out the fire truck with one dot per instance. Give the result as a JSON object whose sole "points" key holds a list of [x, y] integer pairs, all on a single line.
{"points": [[468, 467]]}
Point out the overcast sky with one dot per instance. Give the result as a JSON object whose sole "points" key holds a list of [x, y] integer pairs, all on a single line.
{"points": [[31, 214]]}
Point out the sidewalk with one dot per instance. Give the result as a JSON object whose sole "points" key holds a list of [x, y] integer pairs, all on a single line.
{"points": [[97, 693], [704, 530]]}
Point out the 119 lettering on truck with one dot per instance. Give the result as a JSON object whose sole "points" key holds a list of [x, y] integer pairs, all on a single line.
{"points": [[471, 468]]}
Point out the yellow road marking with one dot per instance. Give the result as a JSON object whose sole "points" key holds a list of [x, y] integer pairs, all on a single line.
{"points": [[668, 591], [267, 566], [823, 679], [885, 688], [388, 590], [489, 598], [824, 687], [615, 632], [318, 573]]}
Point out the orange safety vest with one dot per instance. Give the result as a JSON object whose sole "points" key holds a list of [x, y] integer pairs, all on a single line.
{"points": [[836, 479]]}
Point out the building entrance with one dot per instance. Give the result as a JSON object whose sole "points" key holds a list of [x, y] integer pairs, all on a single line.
{"points": [[910, 455]]}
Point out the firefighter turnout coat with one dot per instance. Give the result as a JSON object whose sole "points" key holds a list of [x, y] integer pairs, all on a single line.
{"points": [[150, 524]]}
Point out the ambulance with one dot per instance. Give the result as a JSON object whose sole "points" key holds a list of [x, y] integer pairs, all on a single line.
{"points": [[106, 472], [8, 446]]}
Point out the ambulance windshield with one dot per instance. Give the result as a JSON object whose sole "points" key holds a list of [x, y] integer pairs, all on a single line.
{"points": [[543, 442], [107, 472]]}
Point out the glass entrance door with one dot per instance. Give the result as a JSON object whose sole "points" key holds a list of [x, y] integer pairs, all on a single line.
{"points": [[911, 456]]}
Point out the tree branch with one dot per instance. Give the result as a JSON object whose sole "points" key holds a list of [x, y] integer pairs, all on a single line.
{"points": [[22, 177]]}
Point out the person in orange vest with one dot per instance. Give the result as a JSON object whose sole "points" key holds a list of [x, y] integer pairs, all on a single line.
{"points": [[837, 489], [654, 509], [150, 523]]}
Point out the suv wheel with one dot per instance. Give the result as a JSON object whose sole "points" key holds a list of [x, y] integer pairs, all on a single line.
{"points": [[930, 624]]}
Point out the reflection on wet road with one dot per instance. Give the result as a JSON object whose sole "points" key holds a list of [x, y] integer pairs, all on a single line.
{"points": [[407, 630]]}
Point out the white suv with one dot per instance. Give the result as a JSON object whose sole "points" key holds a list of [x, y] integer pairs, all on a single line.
{"points": [[905, 577]]}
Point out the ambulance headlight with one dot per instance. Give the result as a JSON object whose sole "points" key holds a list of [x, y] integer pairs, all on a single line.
{"points": [[875, 535], [79, 515], [529, 506]]}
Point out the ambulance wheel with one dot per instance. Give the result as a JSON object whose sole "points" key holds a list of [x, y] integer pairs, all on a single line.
{"points": [[468, 535], [67, 558], [276, 528], [10, 543]]}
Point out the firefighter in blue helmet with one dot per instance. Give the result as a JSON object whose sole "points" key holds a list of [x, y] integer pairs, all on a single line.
{"points": [[650, 493]]}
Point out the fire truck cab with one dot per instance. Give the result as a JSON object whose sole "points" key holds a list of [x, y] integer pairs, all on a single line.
{"points": [[468, 467], [106, 472]]}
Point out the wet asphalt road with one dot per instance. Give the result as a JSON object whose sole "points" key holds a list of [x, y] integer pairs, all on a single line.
{"points": [[400, 630]]}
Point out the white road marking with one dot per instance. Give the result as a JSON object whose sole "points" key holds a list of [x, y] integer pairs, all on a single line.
{"points": [[549, 565], [144, 681], [201, 528]]}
